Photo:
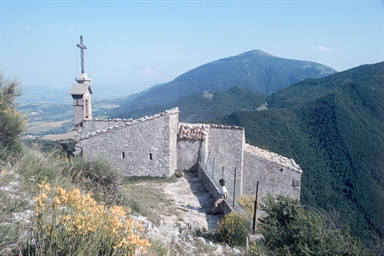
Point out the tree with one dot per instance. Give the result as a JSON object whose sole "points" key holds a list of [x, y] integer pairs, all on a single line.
{"points": [[12, 122]]}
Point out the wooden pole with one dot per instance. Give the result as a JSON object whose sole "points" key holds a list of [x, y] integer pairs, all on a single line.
{"points": [[234, 189], [255, 208]]}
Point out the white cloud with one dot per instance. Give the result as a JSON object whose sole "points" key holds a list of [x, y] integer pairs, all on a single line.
{"points": [[148, 72], [325, 49]]}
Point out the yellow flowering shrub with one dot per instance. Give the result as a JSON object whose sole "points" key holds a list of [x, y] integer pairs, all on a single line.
{"points": [[255, 249], [247, 203], [74, 224], [233, 228]]}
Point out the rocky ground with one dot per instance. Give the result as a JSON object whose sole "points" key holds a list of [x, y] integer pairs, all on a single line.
{"points": [[185, 230], [192, 200]]}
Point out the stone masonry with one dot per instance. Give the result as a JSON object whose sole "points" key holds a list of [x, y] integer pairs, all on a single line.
{"points": [[142, 147], [159, 145]]}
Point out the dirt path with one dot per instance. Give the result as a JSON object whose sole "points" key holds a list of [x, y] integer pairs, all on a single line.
{"points": [[192, 201]]}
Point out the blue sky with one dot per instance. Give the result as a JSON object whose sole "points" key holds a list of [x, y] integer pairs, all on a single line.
{"points": [[143, 43]]}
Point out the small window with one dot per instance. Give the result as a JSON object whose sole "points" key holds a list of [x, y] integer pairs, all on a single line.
{"points": [[150, 156], [281, 169], [295, 183], [122, 154]]}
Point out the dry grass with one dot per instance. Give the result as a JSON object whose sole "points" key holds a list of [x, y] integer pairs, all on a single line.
{"points": [[148, 199], [55, 137], [43, 127]]}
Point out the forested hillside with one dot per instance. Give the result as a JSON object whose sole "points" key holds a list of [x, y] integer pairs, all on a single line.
{"points": [[334, 128], [202, 106]]}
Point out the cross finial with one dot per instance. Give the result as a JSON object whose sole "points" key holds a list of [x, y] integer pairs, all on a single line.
{"points": [[82, 47]]}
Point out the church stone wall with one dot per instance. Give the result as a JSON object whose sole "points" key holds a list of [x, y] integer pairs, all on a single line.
{"points": [[136, 147], [172, 137], [191, 141], [277, 175], [225, 145], [188, 152]]}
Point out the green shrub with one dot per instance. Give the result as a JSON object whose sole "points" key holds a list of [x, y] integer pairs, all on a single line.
{"points": [[233, 228], [99, 177], [12, 122], [290, 229], [96, 176]]}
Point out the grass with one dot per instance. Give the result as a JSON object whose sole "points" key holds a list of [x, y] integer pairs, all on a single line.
{"points": [[152, 179], [13, 203], [145, 197]]}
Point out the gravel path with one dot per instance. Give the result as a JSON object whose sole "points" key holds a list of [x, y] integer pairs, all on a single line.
{"points": [[193, 201]]}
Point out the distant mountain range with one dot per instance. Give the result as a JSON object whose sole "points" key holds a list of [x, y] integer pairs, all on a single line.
{"points": [[334, 129], [50, 94], [202, 106], [254, 70]]}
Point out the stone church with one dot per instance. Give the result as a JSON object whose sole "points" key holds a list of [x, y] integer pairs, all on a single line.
{"points": [[160, 144]]}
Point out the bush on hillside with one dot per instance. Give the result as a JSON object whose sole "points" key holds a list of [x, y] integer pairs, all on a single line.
{"points": [[290, 229], [12, 122], [233, 228], [72, 223], [96, 176], [247, 203], [99, 177]]}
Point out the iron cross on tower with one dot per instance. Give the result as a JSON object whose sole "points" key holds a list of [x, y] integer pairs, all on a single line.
{"points": [[82, 47]]}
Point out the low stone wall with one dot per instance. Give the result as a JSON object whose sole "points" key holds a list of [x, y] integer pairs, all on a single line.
{"points": [[226, 206], [212, 189]]}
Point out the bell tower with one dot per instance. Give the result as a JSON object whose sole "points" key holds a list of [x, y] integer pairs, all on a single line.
{"points": [[81, 93]]}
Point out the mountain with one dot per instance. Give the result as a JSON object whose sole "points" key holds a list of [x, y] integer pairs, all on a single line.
{"points": [[43, 93], [50, 94], [254, 70], [334, 128], [203, 106]]}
